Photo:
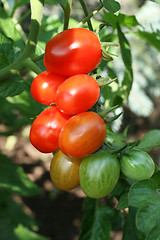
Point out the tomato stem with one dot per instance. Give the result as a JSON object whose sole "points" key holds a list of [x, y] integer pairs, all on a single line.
{"points": [[90, 15], [86, 14]]}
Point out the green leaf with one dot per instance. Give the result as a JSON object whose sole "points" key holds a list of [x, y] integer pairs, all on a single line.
{"points": [[127, 59], [154, 233], [95, 222], [130, 231], [8, 51], [123, 201], [150, 140], [8, 27], [127, 20], [14, 85], [24, 233], [142, 192], [111, 5], [14, 180], [151, 38], [124, 20], [148, 216]]}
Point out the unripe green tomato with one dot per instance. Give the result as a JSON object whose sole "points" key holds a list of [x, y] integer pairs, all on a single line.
{"points": [[137, 165], [99, 174]]}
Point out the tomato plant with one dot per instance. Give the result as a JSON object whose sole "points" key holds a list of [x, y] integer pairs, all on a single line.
{"points": [[77, 94], [137, 165], [44, 132], [73, 51], [85, 133], [64, 171], [45, 85], [99, 174]]}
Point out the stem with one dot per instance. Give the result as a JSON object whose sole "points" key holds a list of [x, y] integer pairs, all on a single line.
{"points": [[32, 66], [90, 15], [86, 14], [29, 51]]}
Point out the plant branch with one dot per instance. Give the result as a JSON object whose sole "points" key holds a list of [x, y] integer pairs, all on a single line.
{"points": [[29, 50], [86, 14], [90, 15]]}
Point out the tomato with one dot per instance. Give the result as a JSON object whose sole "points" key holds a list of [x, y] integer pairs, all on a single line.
{"points": [[77, 94], [64, 171], [45, 85], [44, 132], [73, 51], [137, 165], [82, 135], [99, 174]]}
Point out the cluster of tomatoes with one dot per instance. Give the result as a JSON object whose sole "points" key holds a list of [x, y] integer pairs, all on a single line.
{"points": [[67, 125]]}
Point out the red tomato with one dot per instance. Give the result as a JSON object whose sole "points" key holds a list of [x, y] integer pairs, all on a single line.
{"points": [[82, 135], [44, 132], [73, 51], [45, 85], [64, 171], [77, 94]]}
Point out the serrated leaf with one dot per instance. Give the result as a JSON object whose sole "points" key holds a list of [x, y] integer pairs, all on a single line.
{"points": [[142, 192], [111, 5], [14, 180], [95, 222], [148, 216], [11, 86], [123, 201], [154, 233], [150, 140]]}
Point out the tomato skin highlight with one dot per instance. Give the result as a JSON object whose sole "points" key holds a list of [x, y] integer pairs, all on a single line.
{"points": [[137, 165], [99, 173], [45, 129], [64, 171], [82, 135], [44, 87], [73, 51], [77, 94]]}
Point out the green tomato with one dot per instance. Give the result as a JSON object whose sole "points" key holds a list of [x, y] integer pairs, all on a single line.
{"points": [[137, 165], [99, 174]]}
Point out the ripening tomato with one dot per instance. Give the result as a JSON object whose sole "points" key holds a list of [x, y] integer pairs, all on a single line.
{"points": [[44, 132], [64, 171], [82, 135], [73, 51], [137, 165], [77, 94], [99, 173], [45, 85]]}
